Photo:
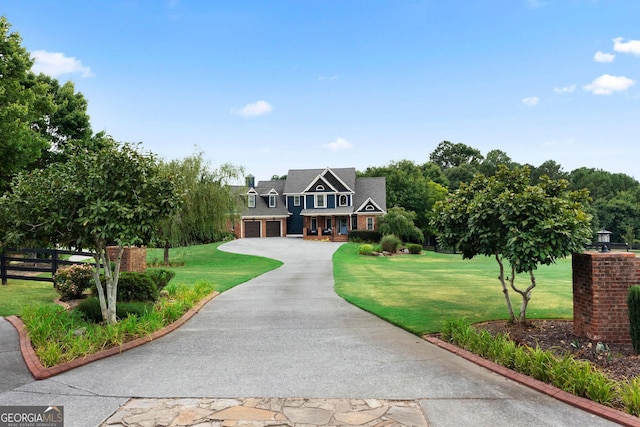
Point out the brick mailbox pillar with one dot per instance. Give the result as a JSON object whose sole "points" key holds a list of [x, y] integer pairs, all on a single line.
{"points": [[600, 287], [133, 258]]}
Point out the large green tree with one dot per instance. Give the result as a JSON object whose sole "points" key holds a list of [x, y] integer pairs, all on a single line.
{"points": [[524, 225], [24, 101], [208, 202], [400, 223], [112, 196]]}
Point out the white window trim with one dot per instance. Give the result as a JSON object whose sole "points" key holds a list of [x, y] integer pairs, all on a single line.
{"points": [[296, 200], [370, 223], [346, 200], [272, 200], [322, 197], [252, 201]]}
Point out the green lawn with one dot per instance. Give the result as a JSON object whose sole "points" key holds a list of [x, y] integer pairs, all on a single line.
{"points": [[419, 292], [203, 262]]}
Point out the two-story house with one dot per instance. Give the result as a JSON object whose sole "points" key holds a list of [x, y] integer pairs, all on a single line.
{"points": [[315, 204]]}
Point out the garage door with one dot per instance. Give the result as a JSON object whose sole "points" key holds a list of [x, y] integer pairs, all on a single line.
{"points": [[252, 229], [273, 229]]}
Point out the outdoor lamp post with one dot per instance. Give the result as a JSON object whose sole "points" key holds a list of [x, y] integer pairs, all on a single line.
{"points": [[604, 237]]}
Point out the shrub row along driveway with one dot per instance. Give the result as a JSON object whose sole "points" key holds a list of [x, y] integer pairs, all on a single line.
{"points": [[287, 334]]}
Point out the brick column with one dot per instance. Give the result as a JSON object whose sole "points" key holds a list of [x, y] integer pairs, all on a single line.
{"points": [[600, 286], [133, 258]]}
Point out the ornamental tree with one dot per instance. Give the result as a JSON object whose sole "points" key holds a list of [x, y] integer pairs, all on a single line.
{"points": [[524, 225], [112, 196]]}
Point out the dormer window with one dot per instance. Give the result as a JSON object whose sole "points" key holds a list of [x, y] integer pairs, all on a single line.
{"points": [[252, 200], [272, 200]]}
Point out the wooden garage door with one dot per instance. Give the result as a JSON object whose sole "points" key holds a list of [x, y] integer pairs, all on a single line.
{"points": [[273, 229], [252, 229]]}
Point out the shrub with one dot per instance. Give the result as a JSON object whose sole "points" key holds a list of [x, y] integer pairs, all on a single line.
{"points": [[90, 309], [366, 236], [161, 277], [134, 287], [365, 249], [633, 304], [390, 243], [72, 281], [414, 248]]}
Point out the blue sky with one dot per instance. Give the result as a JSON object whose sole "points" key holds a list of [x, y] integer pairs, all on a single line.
{"points": [[274, 85]]}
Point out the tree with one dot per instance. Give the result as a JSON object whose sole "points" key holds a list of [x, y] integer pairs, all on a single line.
{"points": [[24, 100], [449, 155], [111, 196], [208, 202], [549, 168], [400, 222], [409, 188], [506, 217], [495, 158]]}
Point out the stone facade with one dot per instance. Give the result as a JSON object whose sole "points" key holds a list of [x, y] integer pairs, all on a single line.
{"points": [[600, 287], [133, 258]]}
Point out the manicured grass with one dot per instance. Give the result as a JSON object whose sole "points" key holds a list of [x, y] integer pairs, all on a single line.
{"points": [[420, 292], [202, 263], [205, 262], [20, 293]]}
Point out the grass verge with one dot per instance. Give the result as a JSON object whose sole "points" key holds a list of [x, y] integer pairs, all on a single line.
{"points": [[418, 292]]}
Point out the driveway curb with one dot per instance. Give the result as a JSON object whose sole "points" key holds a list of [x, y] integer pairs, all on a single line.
{"points": [[39, 372], [598, 409]]}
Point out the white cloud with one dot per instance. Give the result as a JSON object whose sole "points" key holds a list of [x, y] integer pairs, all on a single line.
{"points": [[632, 46], [566, 89], [338, 144], [603, 57], [55, 64], [531, 101], [258, 108], [607, 84]]}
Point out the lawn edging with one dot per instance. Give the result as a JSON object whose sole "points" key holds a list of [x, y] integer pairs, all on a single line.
{"points": [[595, 408], [39, 372]]}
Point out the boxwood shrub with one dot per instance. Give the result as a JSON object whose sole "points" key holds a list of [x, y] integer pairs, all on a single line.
{"points": [[90, 309]]}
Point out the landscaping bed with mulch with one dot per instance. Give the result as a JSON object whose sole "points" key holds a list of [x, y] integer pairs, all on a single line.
{"points": [[619, 361]]}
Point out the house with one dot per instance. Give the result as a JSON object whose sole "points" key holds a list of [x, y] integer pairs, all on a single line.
{"points": [[315, 204]]}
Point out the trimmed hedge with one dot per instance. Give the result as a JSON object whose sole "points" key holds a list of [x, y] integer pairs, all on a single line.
{"points": [[90, 309], [364, 236]]}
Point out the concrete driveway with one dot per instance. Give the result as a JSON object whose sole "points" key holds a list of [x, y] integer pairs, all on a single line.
{"points": [[287, 334]]}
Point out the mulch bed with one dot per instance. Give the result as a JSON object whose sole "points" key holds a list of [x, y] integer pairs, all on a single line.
{"points": [[618, 360]]}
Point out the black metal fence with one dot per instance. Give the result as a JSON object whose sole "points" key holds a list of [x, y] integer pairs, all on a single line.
{"points": [[23, 263]]}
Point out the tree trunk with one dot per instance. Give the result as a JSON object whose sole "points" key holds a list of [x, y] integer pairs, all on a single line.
{"points": [[526, 297], [166, 252], [505, 290]]}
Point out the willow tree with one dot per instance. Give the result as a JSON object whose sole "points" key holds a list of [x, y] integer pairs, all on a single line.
{"points": [[519, 224], [208, 202]]}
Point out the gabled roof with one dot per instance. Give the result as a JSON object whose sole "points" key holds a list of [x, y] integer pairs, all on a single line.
{"points": [[371, 188], [341, 179], [262, 209]]}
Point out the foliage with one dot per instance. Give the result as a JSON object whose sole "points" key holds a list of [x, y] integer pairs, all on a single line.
{"points": [[633, 305], [400, 222], [366, 249], [72, 281], [507, 218], [114, 195], [449, 155], [410, 187], [414, 248], [23, 102], [134, 286], [418, 292], [571, 375], [630, 396], [390, 243], [364, 236], [493, 160], [208, 203], [60, 336], [90, 309], [161, 277]]}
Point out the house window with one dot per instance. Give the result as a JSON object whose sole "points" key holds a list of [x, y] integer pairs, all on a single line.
{"points": [[252, 200], [296, 200], [369, 208], [369, 223], [319, 187], [328, 223], [272, 201], [354, 222], [314, 223], [343, 200], [321, 201]]}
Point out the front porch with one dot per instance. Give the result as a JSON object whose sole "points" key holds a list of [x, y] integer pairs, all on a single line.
{"points": [[331, 227]]}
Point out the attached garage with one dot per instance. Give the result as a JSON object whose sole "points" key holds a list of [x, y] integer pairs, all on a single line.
{"points": [[273, 229], [252, 229]]}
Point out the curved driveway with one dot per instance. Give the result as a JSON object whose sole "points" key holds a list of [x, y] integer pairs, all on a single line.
{"points": [[287, 334]]}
